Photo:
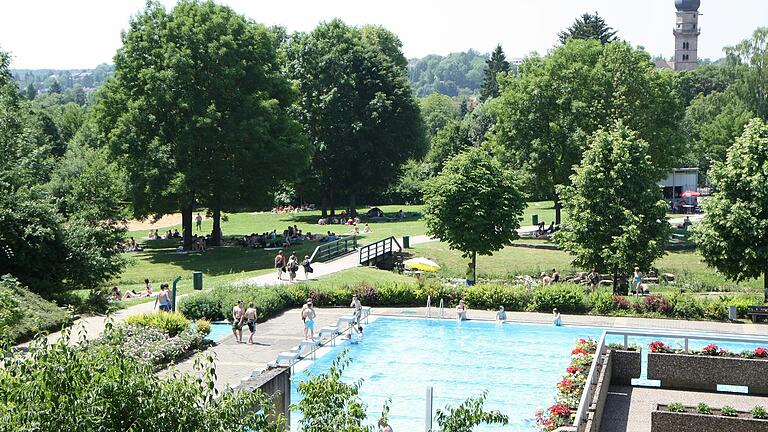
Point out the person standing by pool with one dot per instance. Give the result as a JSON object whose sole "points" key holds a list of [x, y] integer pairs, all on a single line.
{"points": [[308, 316], [461, 311], [556, 320], [280, 264], [163, 299], [501, 315], [237, 321], [251, 315], [470, 274]]}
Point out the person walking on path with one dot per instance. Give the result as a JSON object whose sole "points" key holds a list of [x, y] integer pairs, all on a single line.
{"points": [[199, 222], [237, 321], [280, 264], [307, 267], [163, 299], [251, 315], [293, 266], [308, 316]]}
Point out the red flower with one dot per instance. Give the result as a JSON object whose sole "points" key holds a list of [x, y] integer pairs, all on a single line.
{"points": [[573, 369], [659, 347], [559, 410], [761, 352], [578, 351]]}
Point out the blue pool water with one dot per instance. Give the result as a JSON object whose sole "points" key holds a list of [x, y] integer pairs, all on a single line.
{"points": [[518, 364], [219, 331]]}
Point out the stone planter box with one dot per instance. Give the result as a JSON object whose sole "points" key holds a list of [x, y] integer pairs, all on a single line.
{"points": [[625, 365], [665, 421], [686, 371]]}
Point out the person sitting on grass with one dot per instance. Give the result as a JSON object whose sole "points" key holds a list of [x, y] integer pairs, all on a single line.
{"points": [[367, 229], [555, 276], [116, 295], [545, 280]]}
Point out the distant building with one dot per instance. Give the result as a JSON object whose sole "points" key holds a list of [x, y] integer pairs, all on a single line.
{"points": [[686, 33], [678, 181]]}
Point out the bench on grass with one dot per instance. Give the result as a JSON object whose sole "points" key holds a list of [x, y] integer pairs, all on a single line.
{"points": [[756, 312]]}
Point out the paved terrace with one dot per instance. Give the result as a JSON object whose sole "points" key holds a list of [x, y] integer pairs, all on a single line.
{"points": [[236, 361]]}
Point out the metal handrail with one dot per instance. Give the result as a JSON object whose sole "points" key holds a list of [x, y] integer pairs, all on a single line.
{"points": [[381, 247], [589, 387], [333, 249]]}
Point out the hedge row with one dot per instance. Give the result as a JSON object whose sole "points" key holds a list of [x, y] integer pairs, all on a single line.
{"points": [[217, 303]]}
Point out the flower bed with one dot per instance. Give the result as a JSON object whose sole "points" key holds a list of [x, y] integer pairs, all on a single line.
{"points": [[678, 418], [569, 389], [707, 368], [151, 345]]}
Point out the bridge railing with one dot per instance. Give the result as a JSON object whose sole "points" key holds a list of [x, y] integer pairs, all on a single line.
{"points": [[336, 248], [374, 251]]}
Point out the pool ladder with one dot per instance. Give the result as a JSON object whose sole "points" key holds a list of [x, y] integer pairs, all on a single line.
{"points": [[429, 308]]}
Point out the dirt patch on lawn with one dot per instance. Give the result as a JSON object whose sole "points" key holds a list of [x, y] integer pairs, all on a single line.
{"points": [[168, 220]]}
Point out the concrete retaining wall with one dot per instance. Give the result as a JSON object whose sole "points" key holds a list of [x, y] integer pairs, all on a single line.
{"points": [[665, 421], [275, 383], [685, 371], [626, 365]]}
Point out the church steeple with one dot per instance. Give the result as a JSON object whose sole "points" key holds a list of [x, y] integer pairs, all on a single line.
{"points": [[686, 34]]}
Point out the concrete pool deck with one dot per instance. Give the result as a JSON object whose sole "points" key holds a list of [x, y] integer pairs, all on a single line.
{"points": [[235, 361]]}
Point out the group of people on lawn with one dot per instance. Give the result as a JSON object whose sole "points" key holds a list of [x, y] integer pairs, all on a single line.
{"points": [[162, 298]]}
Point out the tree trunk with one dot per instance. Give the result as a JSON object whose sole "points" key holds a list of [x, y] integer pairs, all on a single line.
{"points": [[765, 287], [186, 225], [474, 266], [324, 205], [353, 204], [558, 206], [615, 281], [332, 202], [216, 233]]}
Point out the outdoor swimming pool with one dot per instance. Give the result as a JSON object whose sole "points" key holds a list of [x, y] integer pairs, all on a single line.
{"points": [[219, 331], [518, 364]]}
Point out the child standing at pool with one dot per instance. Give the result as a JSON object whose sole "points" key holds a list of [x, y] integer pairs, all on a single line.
{"points": [[308, 316], [556, 317], [461, 311]]}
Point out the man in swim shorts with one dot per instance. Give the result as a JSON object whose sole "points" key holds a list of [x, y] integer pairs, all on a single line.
{"points": [[250, 316], [308, 316], [237, 321]]}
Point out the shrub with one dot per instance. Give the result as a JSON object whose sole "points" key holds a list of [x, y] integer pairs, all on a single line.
{"points": [[492, 296], [394, 294], [715, 310], [600, 302], [728, 411], [658, 304], [620, 302], [703, 408], [150, 344], [759, 412], [676, 407], [687, 307], [201, 305], [171, 323], [203, 326], [565, 297], [27, 313]]}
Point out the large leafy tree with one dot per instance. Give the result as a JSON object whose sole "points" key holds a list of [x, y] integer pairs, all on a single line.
{"points": [[589, 26], [495, 65], [357, 109], [474, 204], [436, 111], [712, 123], [704, 80], [617, 212], [544, 115], [749, 59], [733, 237], [197, 112]]}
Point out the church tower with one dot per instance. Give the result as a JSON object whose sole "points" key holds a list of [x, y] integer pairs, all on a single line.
{"points": [[686, 34]]}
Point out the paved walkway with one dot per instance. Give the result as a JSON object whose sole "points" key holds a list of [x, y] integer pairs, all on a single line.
{"points": [[628, 409]]}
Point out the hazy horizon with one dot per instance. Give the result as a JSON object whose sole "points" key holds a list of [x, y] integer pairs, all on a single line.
{"points": [[81, 34]]}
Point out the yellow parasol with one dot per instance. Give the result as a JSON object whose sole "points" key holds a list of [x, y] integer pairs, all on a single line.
{"points": [[422, 264]]}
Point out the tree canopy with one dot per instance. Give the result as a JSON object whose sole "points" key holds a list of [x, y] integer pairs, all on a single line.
{"points": [[544, 115], [198, 112], [495, 65], [750, 60], [588, 26], [617, 214], [356, 108], [474, 204], [733, 237], [456, 74]]}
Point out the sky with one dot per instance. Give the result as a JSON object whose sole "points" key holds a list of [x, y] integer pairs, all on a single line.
{"points": [[73, 34]]}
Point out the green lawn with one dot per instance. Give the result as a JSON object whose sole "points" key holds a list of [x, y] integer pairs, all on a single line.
{"points": [[512, 261]]}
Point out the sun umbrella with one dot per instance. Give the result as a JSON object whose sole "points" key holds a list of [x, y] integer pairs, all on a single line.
{"points": [[422, 264], [688, 194]]}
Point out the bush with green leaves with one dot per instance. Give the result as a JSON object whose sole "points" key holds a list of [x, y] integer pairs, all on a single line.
{"points": [[600, 302], [466, 416], [686, 307], [203, 326], [703, 408], [171, 323], [24, 314], [728, 411], [67, 387], [513, 298], [564, 297], [676, 407], [759, 412], [150, 344]]}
